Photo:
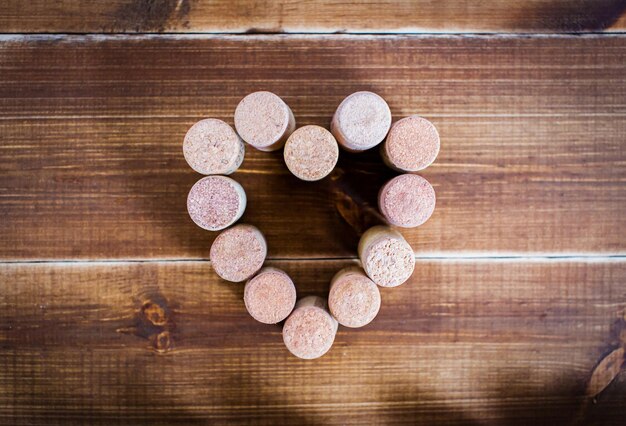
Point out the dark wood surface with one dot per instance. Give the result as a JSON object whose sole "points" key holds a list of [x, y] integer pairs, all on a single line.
{"points": [[532, 157], [327, 16], [110, 312], [464, 342]]}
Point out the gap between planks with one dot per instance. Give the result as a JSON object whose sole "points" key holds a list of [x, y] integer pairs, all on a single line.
{"points": [[91, 37], [434, 257]]}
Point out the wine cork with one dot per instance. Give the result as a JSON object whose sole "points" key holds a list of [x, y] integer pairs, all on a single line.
{"points": [[270, 296], [216, 202], [407, 200], [385, 256], [238, 253], [354, 299], [361, 121], [310, 330], [311, 153], [212, 147], [412, 144], [264, 120]]}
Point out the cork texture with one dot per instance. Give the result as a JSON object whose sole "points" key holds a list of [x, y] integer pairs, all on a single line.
{"points": [[212, 147], [412, 144], [238, 253], [270, 296], [407, 201], [264, 120], [311, 153], [385, 256], [310, 330], [361, 121], [216, 202], [354, 299]]}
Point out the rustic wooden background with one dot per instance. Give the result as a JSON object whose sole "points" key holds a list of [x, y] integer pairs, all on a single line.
{"points": [[110, 312]]}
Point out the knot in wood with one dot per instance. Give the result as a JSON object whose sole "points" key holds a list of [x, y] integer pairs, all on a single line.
{"points": [[154, 313]]}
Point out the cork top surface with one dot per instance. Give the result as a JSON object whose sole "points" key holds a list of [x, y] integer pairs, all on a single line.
{"points": [[407, 200], [238, 253], [363, 120], [309, 332], [215, 202], [354, 299], [388, 261], [311, 153], [262, 118], [270, 296], [412, 144], [212, 147]]}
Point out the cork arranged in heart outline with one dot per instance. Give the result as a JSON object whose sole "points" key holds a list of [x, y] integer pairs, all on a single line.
{"points": [[216, 202]]}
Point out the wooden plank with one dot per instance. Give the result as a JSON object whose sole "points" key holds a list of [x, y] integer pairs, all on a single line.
{"points": [[490, 342], [326, 16], [532, 157]]}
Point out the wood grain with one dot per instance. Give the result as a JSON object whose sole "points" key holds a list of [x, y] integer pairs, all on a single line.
{"points": [[461, 343], [325, 16], [532, 163], [532, 157]]}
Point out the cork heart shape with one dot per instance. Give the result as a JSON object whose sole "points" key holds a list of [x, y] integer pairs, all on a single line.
{"points": [[216, 202]]}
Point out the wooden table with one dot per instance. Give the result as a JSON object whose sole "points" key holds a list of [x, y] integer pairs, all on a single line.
{"points": [[110, 312]]}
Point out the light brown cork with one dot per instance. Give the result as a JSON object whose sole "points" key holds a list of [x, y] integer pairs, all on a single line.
{"points": [[264, 120], [411, 145], [361, 121], [212, 147], [270, 296], [385, 256], [216, 202], [310, 330], [311, 153], [407, 201], [354, 299], [238, 253]]}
